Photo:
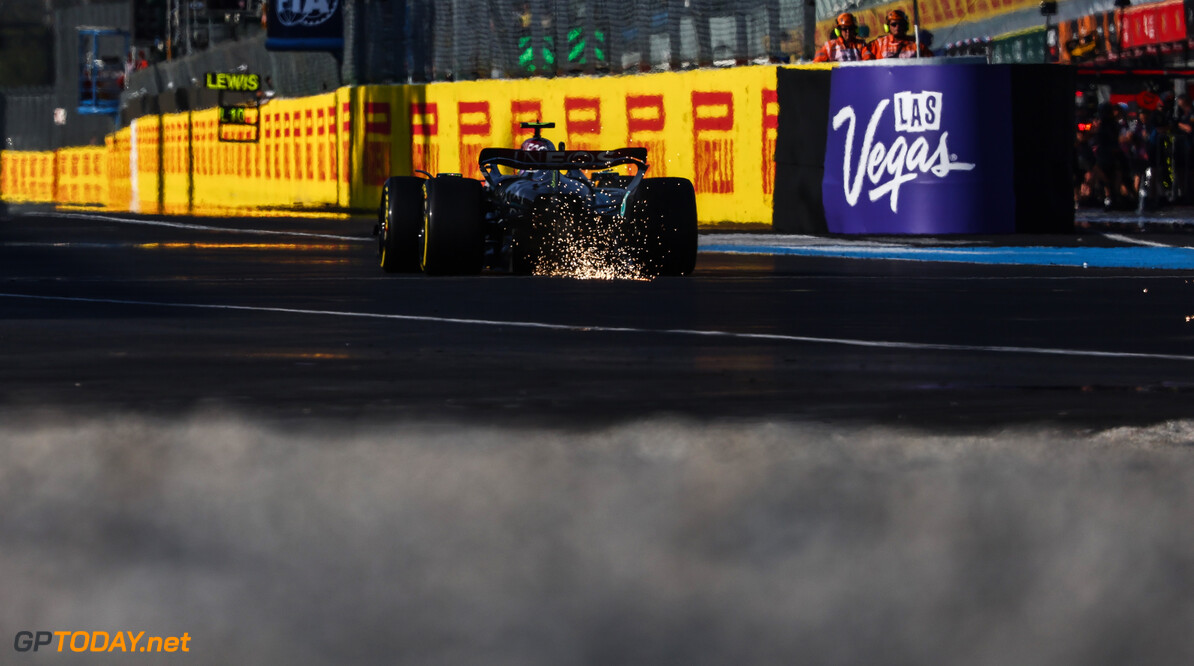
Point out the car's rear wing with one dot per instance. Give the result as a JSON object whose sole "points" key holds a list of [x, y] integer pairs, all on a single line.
{"points": [[589, 160]]}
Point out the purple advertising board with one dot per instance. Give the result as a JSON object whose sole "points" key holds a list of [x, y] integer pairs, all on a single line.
{"points": [[920, 148]]}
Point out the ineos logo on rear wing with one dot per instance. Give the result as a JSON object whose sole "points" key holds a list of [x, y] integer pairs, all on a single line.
{"points": [[562, 159]]}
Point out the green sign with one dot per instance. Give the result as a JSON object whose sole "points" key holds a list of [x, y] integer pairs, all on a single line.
{"points": [[236, 115], [234, 82]]}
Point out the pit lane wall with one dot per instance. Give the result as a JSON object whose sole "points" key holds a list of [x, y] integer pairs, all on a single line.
{"points": [[333, 151]]}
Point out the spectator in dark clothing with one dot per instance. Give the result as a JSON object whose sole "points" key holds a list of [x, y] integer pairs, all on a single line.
{"points": [[1084, 163], [1183, 147], [1107, 154], [1140, 142]]}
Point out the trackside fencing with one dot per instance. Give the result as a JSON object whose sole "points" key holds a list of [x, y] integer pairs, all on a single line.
{"points": [[333, 151]]}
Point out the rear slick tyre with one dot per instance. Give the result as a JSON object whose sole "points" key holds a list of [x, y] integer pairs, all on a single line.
{"points": [[401, 217], [453, 241], [664, 210]]}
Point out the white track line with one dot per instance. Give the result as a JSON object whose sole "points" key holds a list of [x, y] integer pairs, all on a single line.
{"points": [[199, 227], [772, 337], [1135, 241]]}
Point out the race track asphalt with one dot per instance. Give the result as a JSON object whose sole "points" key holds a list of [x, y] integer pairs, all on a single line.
{"points": [[291, 317]]}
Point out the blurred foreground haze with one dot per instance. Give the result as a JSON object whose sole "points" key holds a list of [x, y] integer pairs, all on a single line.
{"points": [[658, 541]]}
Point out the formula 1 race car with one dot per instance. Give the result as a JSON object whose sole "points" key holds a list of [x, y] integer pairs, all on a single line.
{"points": [[561, 212]]}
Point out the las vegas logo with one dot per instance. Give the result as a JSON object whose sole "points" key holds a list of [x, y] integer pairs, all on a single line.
{"points": [[887, 168]]}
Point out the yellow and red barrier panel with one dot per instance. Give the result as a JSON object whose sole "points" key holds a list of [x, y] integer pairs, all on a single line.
{"points": [[120, 189], [28, 177], [176, 169], [292, 163], [716, 128], [82, 175], [380, 128], [145, 165]]}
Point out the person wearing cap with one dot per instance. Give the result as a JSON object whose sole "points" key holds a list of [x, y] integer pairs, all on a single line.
{"points": [[846, 46], [896, 42]]}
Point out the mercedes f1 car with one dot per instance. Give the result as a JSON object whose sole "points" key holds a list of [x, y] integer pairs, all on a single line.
{"points": [[560, 212]]}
